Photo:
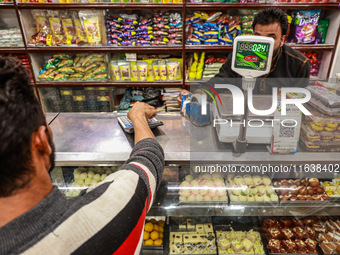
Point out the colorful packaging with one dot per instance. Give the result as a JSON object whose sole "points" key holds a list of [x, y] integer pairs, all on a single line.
{"points": [[91, 22], [162, 70], [115, 70], [124, 70], [322, 31], [155, 68], [142, 70], [134, 71], [306, 23]]}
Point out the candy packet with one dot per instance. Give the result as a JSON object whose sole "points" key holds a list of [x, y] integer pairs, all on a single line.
{"points": [[322, 31], [306, 23]]}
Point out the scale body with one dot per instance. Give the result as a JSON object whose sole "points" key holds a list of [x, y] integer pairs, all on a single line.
{"points": [[228, 132], [251, 58]]}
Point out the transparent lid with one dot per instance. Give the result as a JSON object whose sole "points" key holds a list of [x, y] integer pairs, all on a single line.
{"points": [[324, 96], [320, 119], [324, 109]]}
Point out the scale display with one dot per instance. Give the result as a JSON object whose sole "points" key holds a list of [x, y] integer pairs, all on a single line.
{"points": [[252, 55]]}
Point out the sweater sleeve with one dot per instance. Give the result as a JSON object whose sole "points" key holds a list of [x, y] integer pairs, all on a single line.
{"points": [[147, 158]]}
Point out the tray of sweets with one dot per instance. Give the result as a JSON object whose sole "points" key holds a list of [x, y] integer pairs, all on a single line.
{"points": [[320, 136], [206, 189], [251, 190], [192, 236], [290, 235], [332, 189], [154, 231], [238, 235], [318, 146], [301, 192]]}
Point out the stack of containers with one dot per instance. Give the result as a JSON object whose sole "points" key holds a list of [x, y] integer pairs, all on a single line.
{"points": [[163, 28], [321, 130]]}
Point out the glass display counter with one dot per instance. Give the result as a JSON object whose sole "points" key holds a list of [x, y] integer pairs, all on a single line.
{"points": [[90, 146]]}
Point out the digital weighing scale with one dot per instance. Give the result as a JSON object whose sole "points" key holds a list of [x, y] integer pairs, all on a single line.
{"points": [[251, 58]]}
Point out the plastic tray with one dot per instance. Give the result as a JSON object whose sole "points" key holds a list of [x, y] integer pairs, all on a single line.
{"points": [[321, 136], [319, 146], [319, 117], [324, 96], [324, 109]]}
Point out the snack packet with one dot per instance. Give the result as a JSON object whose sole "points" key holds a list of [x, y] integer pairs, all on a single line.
{"points": [[91, 22], [306, 23], [134, 71], [162, 70], [41, 21], [171, 67], [55, 23], [115, 71], [124, 70], [155, 68], [142, 70], [68, 28], [80, 32], [322, 31]]}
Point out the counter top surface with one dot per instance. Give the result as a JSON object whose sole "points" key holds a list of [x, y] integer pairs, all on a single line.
{"points": [[98, 138]]}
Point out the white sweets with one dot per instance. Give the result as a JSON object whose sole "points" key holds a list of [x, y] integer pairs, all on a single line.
{"points": [[84, 177]]}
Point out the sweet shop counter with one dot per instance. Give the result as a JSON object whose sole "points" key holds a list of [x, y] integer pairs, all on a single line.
{"points": [[97, 137]]}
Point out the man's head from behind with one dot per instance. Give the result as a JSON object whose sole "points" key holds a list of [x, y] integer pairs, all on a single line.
{"points": [[24, 135], [271, 22]]}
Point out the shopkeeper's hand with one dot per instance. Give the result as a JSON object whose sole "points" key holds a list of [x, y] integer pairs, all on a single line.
{"points": [[139, 114], [179, 98]]}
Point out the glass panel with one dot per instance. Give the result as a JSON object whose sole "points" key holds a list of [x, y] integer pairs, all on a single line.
{"points": [[10, 34], [76, 99]]}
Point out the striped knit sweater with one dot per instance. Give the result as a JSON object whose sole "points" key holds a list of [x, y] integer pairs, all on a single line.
{"points": [[106, 219]]}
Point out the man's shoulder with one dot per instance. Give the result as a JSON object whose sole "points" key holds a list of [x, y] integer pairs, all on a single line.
{"points": [[293, 54]]}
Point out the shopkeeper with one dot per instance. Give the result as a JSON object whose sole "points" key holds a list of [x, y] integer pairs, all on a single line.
{"points": [[289, 67], [35, 217]]}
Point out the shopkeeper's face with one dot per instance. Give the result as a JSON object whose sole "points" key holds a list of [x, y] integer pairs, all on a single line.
{"points": [[272, 30]]}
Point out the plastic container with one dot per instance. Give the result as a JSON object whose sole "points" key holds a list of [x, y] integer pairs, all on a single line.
{"points": [[325, 97], [323, 136], [319, 122], [318, 146]]}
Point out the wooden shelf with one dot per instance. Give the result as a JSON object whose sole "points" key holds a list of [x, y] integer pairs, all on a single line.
{"points": [[303, 47], [12, 50], [313, 47], [109, 84], [104, 49], [291, 6], [193, 48], [131, 6], [7, 5]]}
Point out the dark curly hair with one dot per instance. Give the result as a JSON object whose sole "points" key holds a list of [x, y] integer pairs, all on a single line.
{"points": [[272, 15], [20, 115]]}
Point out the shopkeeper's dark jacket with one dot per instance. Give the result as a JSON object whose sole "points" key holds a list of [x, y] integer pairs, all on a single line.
{"points": [[289, 69]]}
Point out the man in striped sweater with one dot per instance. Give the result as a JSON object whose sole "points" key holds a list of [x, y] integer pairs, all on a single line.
{"points": [[35, 218]]}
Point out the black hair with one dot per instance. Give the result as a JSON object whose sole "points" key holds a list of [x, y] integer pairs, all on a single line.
{"points": [[20, 115], [272, 15]]}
